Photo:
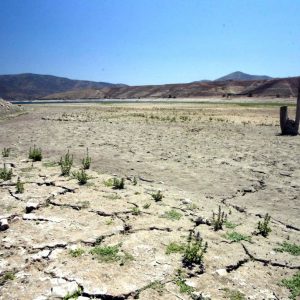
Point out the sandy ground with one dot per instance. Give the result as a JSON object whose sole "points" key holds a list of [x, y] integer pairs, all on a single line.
{"points": [[200, 156]]}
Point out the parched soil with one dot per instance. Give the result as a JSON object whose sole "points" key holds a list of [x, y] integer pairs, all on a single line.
{"points": [[93, 241]]}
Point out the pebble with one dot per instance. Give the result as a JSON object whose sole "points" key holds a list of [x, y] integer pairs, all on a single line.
{"points": [[30, 206]]}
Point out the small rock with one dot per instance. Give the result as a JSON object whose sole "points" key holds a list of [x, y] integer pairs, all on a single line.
{"points": [[3, 224], [186, 201], [41, 254], [222, 272], [30, 206], [64, 288]]}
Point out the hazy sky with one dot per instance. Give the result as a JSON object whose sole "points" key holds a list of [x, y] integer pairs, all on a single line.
{"points": [[149, 41]]}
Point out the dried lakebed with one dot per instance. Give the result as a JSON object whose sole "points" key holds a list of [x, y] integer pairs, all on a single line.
{"points": [[66, 240]]}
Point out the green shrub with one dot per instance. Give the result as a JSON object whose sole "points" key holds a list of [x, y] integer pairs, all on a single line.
{"points": [[175, 248], [157, 196], [81, 176], [237, 237], [19, 186], [194, 251], [289, 248], [147, 205], [5, 174], [35, 153], [6, 152], [218, 219], [263, 227], [66, 163], [293, 284], [86, 162], [115, 183], [172, 215], [134, 182], [76, 252], [73, 295]]}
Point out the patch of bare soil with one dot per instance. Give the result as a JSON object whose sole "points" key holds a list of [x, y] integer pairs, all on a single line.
{"points": [[65, 240]]}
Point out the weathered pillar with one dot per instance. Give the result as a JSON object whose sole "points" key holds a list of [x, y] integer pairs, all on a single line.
{"points": [[283, 117]]}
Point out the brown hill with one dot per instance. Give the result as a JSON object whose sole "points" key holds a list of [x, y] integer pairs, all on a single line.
{"points": [[284, 87]]}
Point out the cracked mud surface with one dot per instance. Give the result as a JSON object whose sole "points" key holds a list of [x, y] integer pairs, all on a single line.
{"points": [[235, 160]]}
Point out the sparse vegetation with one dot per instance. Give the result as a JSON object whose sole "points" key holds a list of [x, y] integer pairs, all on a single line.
{"points": [[76, 252], [172, 215], [50, 164], [157, 286], [157, 196], [136, 211], [237, 237], [106, 253], [6, 276], [86, 161], [293, 284], [81, 176], [289, 248], [263, 227], [74, 295], [115, 183], [134, 181], [194, 251], [5, 173], [19, 186], [6, 152], [230, 225], [66, 163], [234, 294], [218, 219], [147, 205], [35, 154], [174, 247], [181, 283]]}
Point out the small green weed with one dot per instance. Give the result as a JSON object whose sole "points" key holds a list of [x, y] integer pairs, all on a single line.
{"points": [[81, 176], [293, 284], [76, 252], [180, 281], [263, 227], [237, 237], [115, 183], [73, 295], [147, 205], [172, 215], [289, 248], [86, 162], [6, 276], [35, 154], [174, 247], [5, 174], [106, 253], [218, 219], [157, 286], [230, 225], [66, 163], [136, 211], [157, 196], [19, 186], [6, 152], [134, 182]]}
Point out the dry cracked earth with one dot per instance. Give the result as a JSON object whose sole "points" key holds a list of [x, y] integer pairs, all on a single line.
{"points": [[64, 240]]}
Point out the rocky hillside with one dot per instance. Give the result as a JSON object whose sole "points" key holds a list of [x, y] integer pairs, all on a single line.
{"points": [[34, 86], [284, 87]]}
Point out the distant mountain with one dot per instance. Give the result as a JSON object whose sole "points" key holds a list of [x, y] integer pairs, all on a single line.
{"points": [[34, 86], [240, 76], [274, 88]]}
